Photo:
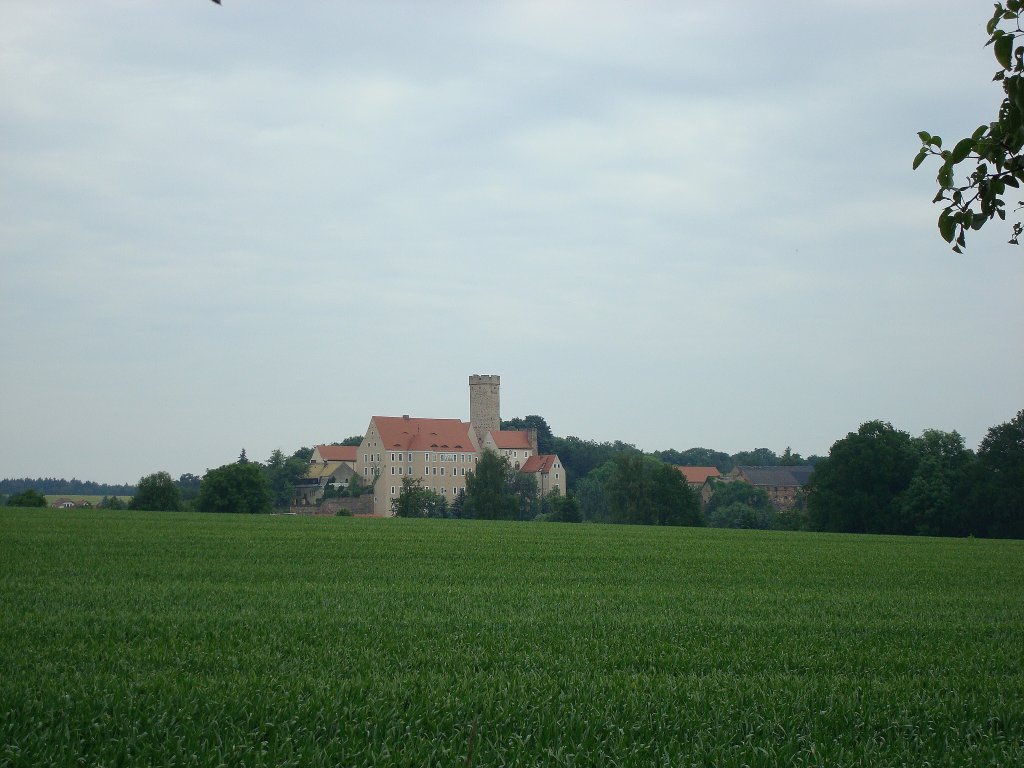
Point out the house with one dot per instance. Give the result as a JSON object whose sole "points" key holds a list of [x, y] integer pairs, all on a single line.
{"points": [[548, 470], [64, 503], [440, 452], [697, 476], [328, 465], [781, 483]]}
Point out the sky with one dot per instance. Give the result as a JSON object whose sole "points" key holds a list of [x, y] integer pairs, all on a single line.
{"points": [[674, 224]]}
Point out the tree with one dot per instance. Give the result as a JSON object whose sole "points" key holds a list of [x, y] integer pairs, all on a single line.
{"points": [[545, 439], [414, 500], [935, 503], [234, 488], [27, 498], [156, 492], [855, 489], [759, 457], [738, 504], [111, 502], [564, 509], [993, 152], [488, 496], [282, 474], [242, 458], [642, 490], [1000, 492]]}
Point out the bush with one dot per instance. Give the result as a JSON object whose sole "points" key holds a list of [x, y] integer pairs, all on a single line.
{"points": [[29, 498]]}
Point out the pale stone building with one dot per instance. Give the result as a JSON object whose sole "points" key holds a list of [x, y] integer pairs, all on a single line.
{"points": [[440, 452], [329, 465]]}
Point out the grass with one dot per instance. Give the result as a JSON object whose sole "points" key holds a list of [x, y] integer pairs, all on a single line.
{"points": [[181, 639]]}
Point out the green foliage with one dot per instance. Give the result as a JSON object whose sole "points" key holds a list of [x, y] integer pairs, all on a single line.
{"points": [[188, 486], [856, 489], [353, 440], [738, 504], [488, 495], [27, 498], [999, 489], [414, 500], [563, 509], [195, 640], [545, 439], [935, 503], [111, 502], [644, 491], [993, 152], [156, 493], [696, 457], [282, 473], [239, 487], [580, 457]]}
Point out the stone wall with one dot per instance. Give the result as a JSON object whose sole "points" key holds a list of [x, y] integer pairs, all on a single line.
{"points": [[359, 505]]}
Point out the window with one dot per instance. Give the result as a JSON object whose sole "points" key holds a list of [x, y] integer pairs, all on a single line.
{"points": [[392, 457], [366, 471], [443, 490], [463, 471], [435, 470], [442, 470], [392, 490], [515, 454], [408, 470], [365, 459], [392, 470], [400, 470]]}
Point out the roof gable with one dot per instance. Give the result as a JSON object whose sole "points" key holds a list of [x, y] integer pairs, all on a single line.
{"points": [[542, 463], [782, 476], [698, 474], [511, 438], [337, 452], [416, 434]]}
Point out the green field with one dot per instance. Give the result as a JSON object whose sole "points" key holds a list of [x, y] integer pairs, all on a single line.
{"points": [[181, 639]]}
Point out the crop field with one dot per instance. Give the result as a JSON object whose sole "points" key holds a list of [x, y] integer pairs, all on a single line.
{"points": [[199, 640]]}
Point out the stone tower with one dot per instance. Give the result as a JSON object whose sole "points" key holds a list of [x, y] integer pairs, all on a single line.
{"points": [[484, 405]]}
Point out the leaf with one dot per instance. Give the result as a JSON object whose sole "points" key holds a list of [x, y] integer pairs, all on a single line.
{"points": [[946, 226], [924, 136], [961, 150], [979, 132], [920, 157], [1003, 47]]}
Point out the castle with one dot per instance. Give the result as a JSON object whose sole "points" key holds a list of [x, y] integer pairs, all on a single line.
{"points": [[440, 452]]}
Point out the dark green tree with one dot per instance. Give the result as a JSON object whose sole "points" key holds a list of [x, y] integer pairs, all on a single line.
{"points": [[545, 440], [856, 489], [234, 488], [353, 440], [488, 496], [936, 501], [738, 504], [991, 155], [27, 498], [759, 457], [644, 491], [999, 492], [156, 492], [111, 502], [414, 500], [563, 509], [282, 474], [697, 457]]}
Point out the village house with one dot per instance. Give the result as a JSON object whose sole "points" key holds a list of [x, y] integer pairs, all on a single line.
{"points": [[782, 484], [330, 465], [697, 476]]}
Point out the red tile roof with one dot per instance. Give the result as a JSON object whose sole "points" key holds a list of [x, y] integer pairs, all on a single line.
{"points": [[414, 434], [511, 438], [337, 452], [540, 463], [698, 475]]}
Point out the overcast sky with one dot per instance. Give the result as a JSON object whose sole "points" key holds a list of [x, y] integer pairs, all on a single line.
{"points": [[675, 224]]}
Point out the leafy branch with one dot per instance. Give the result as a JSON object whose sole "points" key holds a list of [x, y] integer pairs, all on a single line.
{"points": [[995, 149]]}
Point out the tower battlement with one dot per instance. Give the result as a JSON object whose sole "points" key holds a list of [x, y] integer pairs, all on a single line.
{"points": [[484, 404]]}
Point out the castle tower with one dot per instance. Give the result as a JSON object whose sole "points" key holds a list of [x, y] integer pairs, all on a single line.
{"points": [[484, 405]]}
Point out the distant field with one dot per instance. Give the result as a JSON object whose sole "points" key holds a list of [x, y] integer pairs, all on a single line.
{"points": [[52, 497], [184, 639]]}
